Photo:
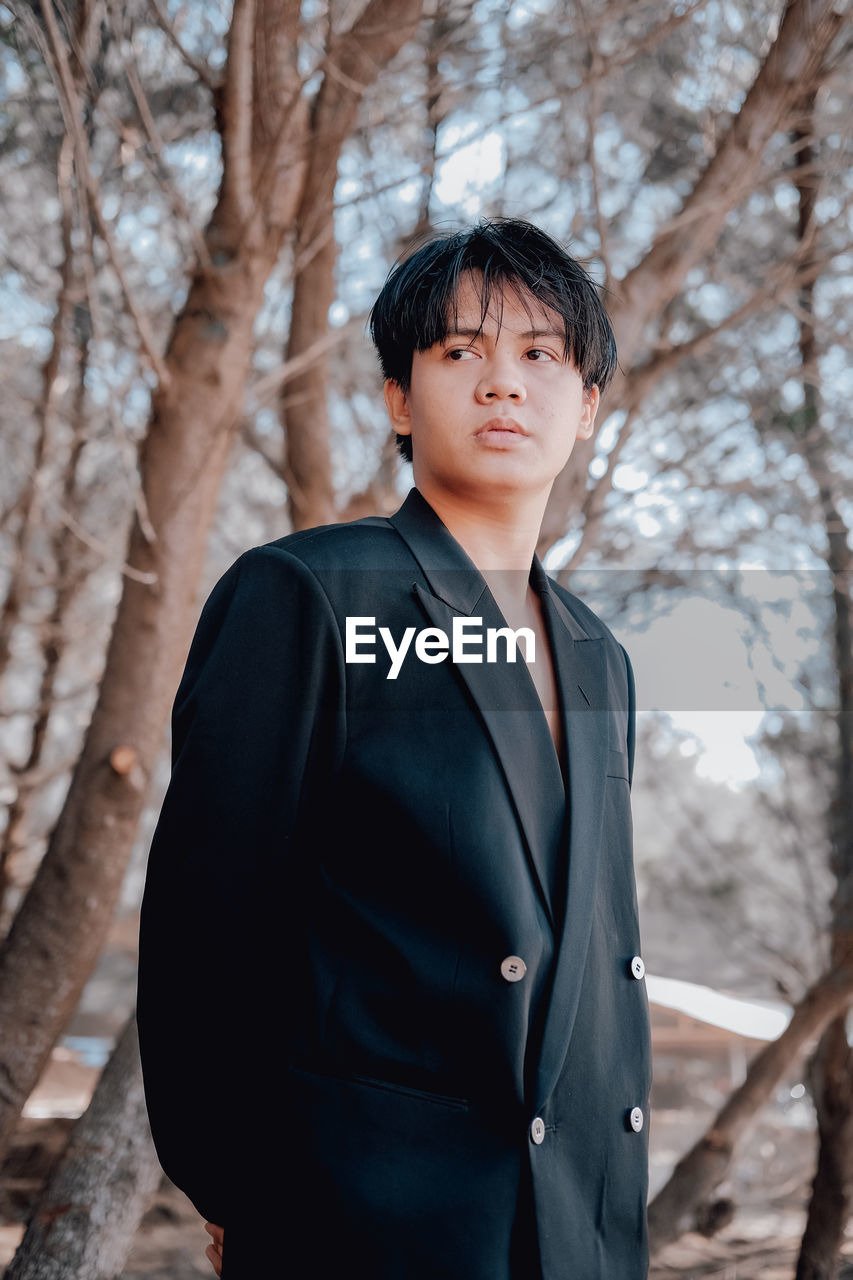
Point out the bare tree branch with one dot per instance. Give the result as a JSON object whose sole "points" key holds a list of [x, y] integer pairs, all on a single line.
{"points": [[264, 389], [238, 103], [207, 76], [72, 114], [161, 169]]}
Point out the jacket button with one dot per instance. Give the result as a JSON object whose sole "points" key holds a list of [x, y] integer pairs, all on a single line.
{"points": [[513, 968], [537, 1131], [636, 1119], [637, 967]]}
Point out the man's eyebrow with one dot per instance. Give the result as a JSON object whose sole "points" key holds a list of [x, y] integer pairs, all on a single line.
{"points": [[544, 333], [529, 336]]}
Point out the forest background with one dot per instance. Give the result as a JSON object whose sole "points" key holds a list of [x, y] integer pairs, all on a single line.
{"points": [[200, 203]]}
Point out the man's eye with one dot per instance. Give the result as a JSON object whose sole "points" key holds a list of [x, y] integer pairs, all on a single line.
{"points": [[459, 353], [538, 354]]}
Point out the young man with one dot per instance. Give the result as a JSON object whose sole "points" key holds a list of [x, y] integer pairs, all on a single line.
{"points": [[391, 1007]]}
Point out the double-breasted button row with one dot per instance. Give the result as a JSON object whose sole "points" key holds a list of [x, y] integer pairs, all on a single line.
{"points": [[636, 1120], [513, 968]]}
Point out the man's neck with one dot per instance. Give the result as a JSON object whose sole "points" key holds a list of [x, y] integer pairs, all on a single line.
{"points": [[500, 537]]}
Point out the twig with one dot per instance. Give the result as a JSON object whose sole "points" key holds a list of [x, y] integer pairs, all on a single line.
{"points": [[593, 111], [94, 544], [98, 326], [266, 386], [162, 170], [72, 112], [207, 76]]}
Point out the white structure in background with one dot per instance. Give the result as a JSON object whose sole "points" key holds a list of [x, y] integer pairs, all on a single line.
{"points": [[753, 1019], [729, 1020]]}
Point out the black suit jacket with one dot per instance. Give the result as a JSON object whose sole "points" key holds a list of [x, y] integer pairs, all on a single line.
{"points": [[337, 1068]]}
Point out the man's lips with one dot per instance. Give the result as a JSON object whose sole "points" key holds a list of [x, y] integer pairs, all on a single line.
{"points": [[507, 425]]}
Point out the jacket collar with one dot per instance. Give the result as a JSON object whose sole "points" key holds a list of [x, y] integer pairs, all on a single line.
{"points": [[441, 558]]}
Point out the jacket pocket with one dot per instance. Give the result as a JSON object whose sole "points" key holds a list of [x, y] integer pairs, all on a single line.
{"points": [[386, 1086], [617, 763]]}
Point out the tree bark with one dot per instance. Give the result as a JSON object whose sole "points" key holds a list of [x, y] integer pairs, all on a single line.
{"points": [[307, 467], [794, 64], [831, 1080], [308, 464], [696, 1175], [84, 1222]]}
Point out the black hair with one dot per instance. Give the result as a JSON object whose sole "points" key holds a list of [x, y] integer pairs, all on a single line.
{"points": [[413, 311]]}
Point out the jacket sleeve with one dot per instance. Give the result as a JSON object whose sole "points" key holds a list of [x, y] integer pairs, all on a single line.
{"points": [[257, 728]]}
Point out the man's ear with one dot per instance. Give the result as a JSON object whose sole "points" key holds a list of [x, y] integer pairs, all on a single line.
{"points": [[398, 407], [591, 397]]}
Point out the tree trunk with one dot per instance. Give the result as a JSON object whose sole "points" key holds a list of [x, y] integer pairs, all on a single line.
{"points": [[304, 410], [59, 929], [832, 1066], [831, 1079], [697, 1174], [794, 63], [84, 1222], [58, 932], [308, 455]]}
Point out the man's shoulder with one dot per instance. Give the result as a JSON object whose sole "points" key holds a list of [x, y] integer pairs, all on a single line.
{"points": [[334, 565], [371, 542], [311, 572]]}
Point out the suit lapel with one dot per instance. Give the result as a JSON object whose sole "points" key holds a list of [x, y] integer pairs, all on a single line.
{"points": [[581, 668], [509, 708], [456, 586]]}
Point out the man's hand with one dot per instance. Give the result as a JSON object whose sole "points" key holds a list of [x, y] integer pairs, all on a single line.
{"points": [[213, 1252]]}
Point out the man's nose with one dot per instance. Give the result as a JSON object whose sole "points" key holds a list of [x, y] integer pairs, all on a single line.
{"points": [[501, 380]]}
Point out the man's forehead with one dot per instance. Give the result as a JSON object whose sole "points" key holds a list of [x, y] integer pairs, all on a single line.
{"points": [[511, 306]]}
